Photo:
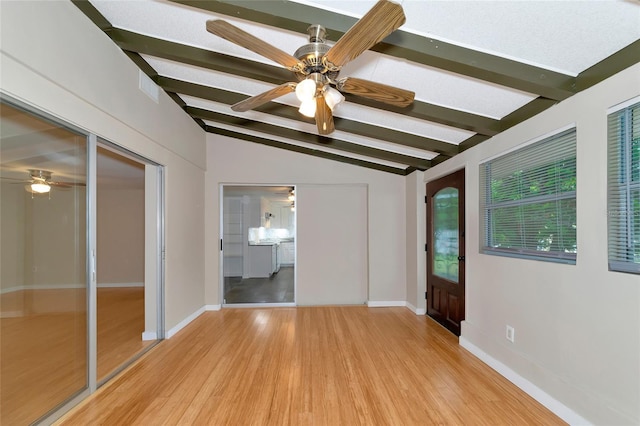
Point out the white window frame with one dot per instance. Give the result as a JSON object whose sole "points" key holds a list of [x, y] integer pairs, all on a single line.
{"points": [[622, 218], [566, 136]]}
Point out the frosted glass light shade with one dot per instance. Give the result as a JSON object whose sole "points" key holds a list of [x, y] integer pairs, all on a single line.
{"points": [[306, 90], [333, 97], [308, 108], [40, 188]]}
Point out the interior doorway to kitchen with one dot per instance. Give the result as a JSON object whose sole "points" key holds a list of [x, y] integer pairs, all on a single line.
{"points": [[258, 228]]}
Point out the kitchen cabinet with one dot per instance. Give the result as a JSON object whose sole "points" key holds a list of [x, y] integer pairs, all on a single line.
{"points": [[288, 253], [262, 260], [232, 237]]}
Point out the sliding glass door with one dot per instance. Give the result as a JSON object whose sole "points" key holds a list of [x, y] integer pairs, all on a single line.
{"points": [[43, 278], [81, 268], [121, 284]]}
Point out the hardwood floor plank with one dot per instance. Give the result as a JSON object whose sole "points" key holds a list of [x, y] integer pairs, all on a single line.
{"points": [[43, 347], [310, 366]]}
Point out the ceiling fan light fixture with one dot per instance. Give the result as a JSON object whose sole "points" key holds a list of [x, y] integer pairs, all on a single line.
{"points": [[40, 187], [306, 90], [308, 108], [332, 97], [316, 65]]}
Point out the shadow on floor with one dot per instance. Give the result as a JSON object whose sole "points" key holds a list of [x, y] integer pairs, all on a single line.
{"points": [[278, 288]]}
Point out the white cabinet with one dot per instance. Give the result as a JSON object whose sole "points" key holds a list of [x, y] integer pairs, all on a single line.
{"points": [[232, 237], [274, 258], [287, 219], [288, 253], [262, 261]]}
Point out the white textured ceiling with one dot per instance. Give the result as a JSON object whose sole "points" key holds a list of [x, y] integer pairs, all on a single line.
{"points": [[173, 22], [563, 37]]}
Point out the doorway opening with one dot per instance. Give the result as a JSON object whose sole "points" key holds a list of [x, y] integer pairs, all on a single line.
{"points": [[258, 228], [127, 303]]}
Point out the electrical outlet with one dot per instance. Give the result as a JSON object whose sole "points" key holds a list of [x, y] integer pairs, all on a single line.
{"points": [[511, 334]]}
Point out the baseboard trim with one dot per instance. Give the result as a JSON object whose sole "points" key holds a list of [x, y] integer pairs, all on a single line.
{"points": [[42, 287], [417, 311], [13, 289], [149, 335], [259, 305], [555, 406], [182, 324], [67, 287], [385, 304], [212, 307], [12, 314], [119, 285]]}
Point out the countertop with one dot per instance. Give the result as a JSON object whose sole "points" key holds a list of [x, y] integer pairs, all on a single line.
{"points": [[271, 242], [264, 243]]}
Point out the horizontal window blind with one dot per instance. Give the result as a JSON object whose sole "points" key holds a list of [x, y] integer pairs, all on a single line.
{"points": [[528, 200], [624, 189]]}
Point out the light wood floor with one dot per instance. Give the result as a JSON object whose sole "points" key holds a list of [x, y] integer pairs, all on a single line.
{"points": [[43, 346], [310, 366], [120, 327]]}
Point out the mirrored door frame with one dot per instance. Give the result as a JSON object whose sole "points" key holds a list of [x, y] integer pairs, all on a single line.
{"points": [[154, 262], [154, 251]]}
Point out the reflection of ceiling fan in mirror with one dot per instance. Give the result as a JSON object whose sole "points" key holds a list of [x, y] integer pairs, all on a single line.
{"points": [[40, 182], [316, 65]]}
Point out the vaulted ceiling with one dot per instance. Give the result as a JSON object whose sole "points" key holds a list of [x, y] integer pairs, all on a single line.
{"points": [[477, 68]]}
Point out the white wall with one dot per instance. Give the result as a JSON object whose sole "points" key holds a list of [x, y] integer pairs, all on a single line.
{"points": [[577, 327], [331, 245], [416, 239], [43, 239], [12, 240], [120, 236], [55, 59], [232, 161]]}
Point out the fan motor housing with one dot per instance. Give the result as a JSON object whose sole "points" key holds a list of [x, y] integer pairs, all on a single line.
{"points": [[40, 174], [311, 54]]}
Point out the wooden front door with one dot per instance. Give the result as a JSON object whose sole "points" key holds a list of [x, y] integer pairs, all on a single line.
{"points": [[445, 250]]}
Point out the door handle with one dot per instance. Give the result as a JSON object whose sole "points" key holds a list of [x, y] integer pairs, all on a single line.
{"points": [[461, 258]]}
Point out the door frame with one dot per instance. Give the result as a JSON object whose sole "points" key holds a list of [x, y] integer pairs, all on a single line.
{"points": [[154, 250], [221, 190], [155, 202], [455, 179]]}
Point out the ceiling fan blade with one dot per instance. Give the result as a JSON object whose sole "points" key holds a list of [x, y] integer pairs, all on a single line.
{"points": [[66, 184], [324, 117], [383, 19], [242, 38], [14, 179], [263, 98], [376, 91]]}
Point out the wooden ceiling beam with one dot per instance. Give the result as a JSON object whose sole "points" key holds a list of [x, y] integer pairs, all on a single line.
{"points": [[305, 150], [309, 138], [428, 51], [142, 44], [289, 112]]}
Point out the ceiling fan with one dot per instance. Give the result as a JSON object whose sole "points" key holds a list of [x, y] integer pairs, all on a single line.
{"points": [[316, 65], [40, 182]]}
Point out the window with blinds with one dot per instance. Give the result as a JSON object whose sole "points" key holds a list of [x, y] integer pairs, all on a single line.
{"points": [[528, 201], [624, 189]]}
